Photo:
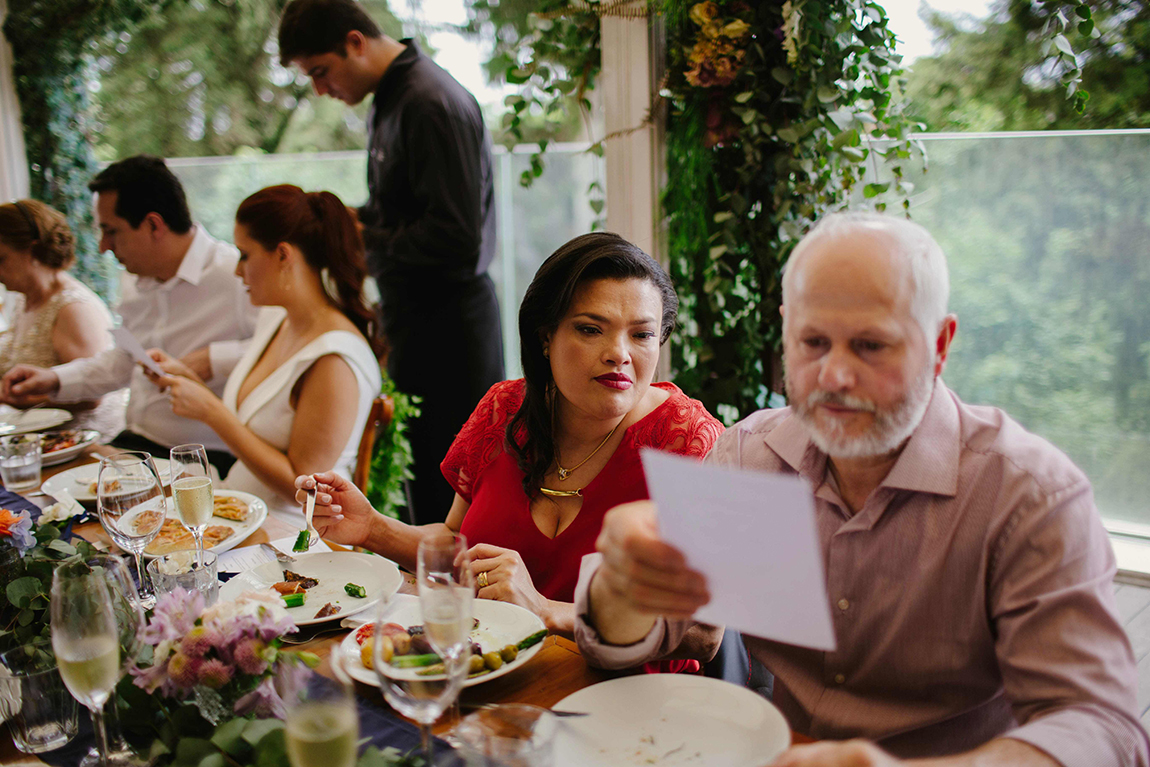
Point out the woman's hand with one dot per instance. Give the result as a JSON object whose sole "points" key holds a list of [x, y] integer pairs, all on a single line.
{"points": [[171, 366], [507, 578], [191, 399], [342, 513]]}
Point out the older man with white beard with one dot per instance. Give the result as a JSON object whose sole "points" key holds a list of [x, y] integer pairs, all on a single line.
{"points": [[969, 574]]}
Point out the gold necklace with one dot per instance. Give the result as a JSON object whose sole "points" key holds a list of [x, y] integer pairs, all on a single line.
{"points": [[576, 493], [565, 473]]}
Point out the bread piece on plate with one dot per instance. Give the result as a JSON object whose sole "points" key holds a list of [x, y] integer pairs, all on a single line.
{"points": [[229, 507]]}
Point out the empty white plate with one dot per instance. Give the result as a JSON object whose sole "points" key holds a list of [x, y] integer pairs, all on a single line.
{"points": [[669, 719]]}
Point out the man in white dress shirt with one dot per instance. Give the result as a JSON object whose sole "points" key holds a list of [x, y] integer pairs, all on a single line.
{"points": [[181, 295]]}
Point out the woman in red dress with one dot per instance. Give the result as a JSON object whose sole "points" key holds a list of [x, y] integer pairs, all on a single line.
{"points": [[543, 458]]}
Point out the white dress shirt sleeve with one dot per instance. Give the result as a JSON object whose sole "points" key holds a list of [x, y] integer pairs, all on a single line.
{"points": [[93, 377]]}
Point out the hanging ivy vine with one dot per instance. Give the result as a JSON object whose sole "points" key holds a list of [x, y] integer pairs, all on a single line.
{"points": [[50, 42]]}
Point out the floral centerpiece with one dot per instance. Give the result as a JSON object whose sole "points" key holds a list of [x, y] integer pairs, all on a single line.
{"points": [[16, 531]]}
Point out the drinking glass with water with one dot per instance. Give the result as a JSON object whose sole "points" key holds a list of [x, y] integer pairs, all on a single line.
{"points": [[20, 462]]}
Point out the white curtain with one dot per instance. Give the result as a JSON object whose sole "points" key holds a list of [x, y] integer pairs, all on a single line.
{"points": [[13, 161]]}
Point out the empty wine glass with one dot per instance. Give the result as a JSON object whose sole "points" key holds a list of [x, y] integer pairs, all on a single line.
{"points": [[85, 639], [130, 502], [192, 491], [445, 598], [129, 621], [322, 727]]}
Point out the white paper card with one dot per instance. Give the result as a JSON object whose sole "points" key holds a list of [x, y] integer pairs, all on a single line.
{"points": [[243, 559], [129, 343], [752, 534]]}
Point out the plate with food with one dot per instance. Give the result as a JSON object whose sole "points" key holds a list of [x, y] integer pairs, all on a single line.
{"points": [[236, 516], [15, 421], [322, 586], [81, 481], [503, 638], [62, 446], [669, 719]]}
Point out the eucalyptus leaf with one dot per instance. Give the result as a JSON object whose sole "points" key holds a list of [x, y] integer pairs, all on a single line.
{"points": [[22, 591], [258, 729], [827, 94], [1063, 45]]}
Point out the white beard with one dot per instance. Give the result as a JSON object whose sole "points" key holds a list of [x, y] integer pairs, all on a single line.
{"points": [[891, 427]]}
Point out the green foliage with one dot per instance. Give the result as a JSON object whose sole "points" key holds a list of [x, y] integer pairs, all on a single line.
{"points": [[392, 460], [203, 79], [550, 50], [995, 74], [27, 582], [50, 44], [755, 156]]}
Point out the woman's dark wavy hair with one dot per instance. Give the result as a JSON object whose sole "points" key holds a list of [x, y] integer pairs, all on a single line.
{"points": [[319, 224], [596, 256]]}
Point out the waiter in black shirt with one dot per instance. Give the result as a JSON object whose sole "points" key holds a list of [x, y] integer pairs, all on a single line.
{"points": [[428, 225]]}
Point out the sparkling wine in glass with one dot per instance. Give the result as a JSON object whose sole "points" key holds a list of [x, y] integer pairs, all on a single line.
{"points": [[192, 492], [129, 621], [322, 727], [86, 640], [130, 502]]}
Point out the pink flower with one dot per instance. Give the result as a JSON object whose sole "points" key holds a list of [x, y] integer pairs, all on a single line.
{"points": [[215, 674], [199, 641], [264, 701], [183, 670], [249, 656], [174, 617]]}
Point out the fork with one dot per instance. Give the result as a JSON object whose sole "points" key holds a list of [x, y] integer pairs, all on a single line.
{"points": [[309, 510], [281, 557]]}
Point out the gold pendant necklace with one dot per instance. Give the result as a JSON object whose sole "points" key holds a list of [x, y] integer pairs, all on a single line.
{"points": [[565, 473], [576, 493]]}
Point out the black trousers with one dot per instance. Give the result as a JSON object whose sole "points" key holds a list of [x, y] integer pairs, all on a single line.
{"points": [[446, 347], [130, 440]]}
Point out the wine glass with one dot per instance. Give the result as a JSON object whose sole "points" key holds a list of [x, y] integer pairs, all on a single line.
{"points": [[85, 639], [129, 621], [192, 492], [445, 599], [322, 727], [131, 505]]}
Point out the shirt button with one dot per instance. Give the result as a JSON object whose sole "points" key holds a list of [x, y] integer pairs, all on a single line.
{"points": [[839, 678], [843, 604]]}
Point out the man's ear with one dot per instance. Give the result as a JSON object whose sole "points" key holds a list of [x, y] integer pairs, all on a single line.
{"points": [[355, 43], [942, 343], [155, 223]]}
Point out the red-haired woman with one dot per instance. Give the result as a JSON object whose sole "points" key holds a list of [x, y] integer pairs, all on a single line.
{"points": [[298, 400]]}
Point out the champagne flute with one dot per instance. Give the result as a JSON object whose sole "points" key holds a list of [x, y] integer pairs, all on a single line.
{"points": [[129, 621], [85, 639], [192, 492], [322, 727], [130, 502], [445, 596]]}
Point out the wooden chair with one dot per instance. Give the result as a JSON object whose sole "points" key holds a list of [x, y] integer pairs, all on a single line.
{"points": [[378, 419]]}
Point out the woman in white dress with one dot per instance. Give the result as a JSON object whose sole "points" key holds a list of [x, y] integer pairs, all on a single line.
{"points": [[298, 400]]}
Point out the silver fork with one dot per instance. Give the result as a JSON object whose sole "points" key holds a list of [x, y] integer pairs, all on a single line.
{"points": [[281, 557]]}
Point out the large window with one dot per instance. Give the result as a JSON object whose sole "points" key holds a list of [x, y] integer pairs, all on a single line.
{"points": [[1048, 237]]}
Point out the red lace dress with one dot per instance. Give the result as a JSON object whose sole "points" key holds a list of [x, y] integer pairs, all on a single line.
{"points": [[488, 478]]}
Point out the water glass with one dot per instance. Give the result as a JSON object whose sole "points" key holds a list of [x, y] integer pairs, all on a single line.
{"points": [[20, 462], [181, 570], [40, 710], [131, 505], [509, 735]]}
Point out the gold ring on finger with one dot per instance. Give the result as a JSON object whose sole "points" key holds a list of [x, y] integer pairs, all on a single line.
{"points": [[482, 580]]}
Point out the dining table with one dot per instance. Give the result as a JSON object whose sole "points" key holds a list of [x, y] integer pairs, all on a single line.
{"points": [[556, 671]]}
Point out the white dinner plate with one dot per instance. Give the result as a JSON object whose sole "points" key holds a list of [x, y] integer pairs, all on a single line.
{"points": [[257, 513], [500, 624], [669, 719], [76, 481], [85, 439], [13, 421], [334, 569]]}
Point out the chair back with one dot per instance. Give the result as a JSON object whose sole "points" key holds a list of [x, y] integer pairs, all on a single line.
{"points": [[378, 419]]}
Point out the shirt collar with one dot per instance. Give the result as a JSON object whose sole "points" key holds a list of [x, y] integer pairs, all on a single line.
{"points": [[195, 261], [394, 74], [928, 463]]}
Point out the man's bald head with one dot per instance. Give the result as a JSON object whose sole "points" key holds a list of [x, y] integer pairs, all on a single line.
{"points": [[910, 254]]}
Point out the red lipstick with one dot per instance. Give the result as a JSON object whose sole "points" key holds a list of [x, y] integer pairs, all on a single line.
{"points": [[619, 381]]}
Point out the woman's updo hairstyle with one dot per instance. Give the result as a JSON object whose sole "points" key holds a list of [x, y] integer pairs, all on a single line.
{"points": [[319, 224], [32, 225], [589, 257]]}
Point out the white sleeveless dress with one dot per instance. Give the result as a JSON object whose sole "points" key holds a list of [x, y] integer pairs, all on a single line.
{"points": [[267, 409]]}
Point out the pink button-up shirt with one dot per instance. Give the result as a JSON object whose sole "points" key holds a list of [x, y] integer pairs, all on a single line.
{"points": [[971, 595]]}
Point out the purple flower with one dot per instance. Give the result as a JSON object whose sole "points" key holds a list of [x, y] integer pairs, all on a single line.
{"points": [[264, 702], [199, 641], [17, 526], [174, 617], [183, 670]]}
